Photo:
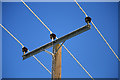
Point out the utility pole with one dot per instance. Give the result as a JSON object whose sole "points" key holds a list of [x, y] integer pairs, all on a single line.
{"points": [[57, 49], [56, 62]]}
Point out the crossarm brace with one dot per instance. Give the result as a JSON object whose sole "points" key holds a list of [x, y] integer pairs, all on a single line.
{"points": [[48, 52]]}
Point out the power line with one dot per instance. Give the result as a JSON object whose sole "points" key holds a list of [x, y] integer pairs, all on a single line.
{"points": [[80, 8], [41, 64], [11, 35], [98, 31], [78, 62], [36, 16], [23, 46], [105, 41]]}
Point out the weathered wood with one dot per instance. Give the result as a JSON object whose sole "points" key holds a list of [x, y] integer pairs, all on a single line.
{"points": [[56, 63]]}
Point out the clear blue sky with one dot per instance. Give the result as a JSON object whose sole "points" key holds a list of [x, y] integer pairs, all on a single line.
{"points": [[62, 18]]}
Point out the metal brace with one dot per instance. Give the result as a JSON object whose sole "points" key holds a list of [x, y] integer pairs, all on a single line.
{"points": [[48, 52]]}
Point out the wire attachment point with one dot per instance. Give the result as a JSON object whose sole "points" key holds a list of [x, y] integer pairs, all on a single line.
{"points": [[88, 20], [24, 49], [52, 36]]}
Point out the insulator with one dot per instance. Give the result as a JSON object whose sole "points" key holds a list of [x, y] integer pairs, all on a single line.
{"points": [[24, 49], [87, 19], [52, 36]]}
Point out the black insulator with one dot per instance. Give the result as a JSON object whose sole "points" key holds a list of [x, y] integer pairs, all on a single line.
{"points": [[52, 36], [24, 49], [87, 19]]}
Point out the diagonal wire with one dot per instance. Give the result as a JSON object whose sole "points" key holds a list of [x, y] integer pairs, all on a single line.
{"points": [[80, 8], [42, 64], [22, 46], [56, 37], [77, 61], [36, 16], [98, 31], [105, 41], [11, 35]]}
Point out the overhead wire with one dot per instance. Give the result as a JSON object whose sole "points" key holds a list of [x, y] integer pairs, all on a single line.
{"points": [[81, 8], [78, 62], [42, 64], [36, 16], [98, 32], [23, 46], [105, 41], [56, 37], [11, 35]]}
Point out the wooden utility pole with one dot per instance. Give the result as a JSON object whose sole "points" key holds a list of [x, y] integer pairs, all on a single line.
{"points": [[57, 49], [56, 62]]}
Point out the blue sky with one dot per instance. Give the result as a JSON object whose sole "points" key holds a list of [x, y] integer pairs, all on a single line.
{"points": [[62, 18]]}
